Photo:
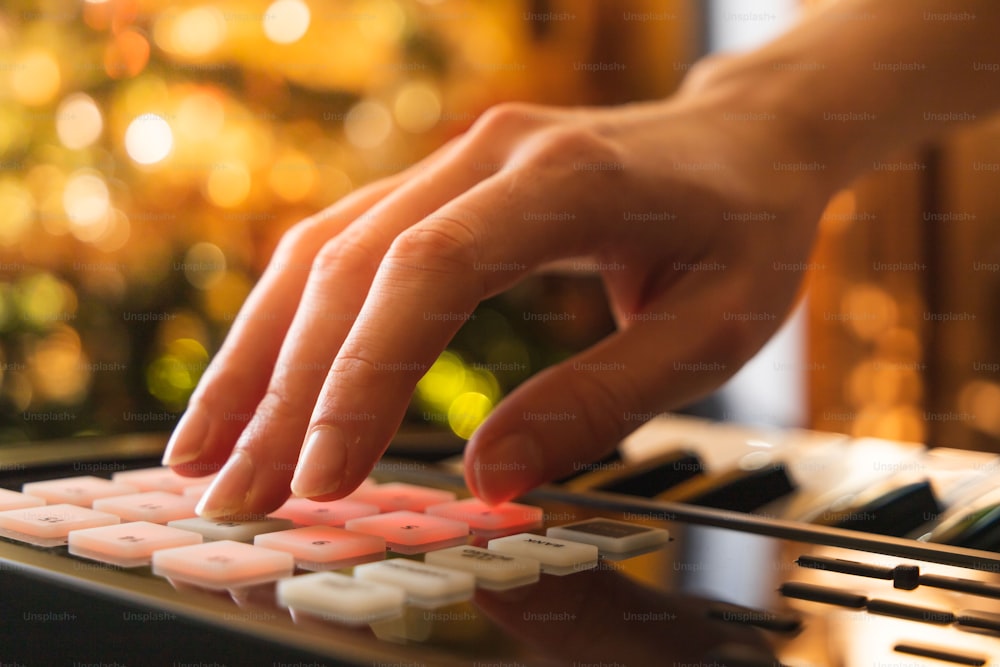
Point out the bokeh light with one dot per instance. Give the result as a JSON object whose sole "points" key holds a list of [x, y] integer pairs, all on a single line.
{"points": [[173, 375], [78, 121], [149, 139], [467, 412], [126, 55], [35, 78], [368, 124], [286, 21], [197, 31], [228, 184], [87, 203], [16, 211], [417, 107], [204, 265]]}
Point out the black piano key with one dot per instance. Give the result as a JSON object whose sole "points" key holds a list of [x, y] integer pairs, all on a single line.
{"points": [[896, 512], [650, 478], [735, 490], [976, 529]]}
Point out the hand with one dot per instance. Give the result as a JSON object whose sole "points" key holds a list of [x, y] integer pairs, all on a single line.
{"points": [[688, 215]]}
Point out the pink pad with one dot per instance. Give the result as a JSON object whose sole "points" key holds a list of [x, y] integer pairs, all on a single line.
{"points": [[305, 512], [222, 565], [396, 496], [492, 519], [128, 544], [324, 547], [412, 532], [153, 506], [81, 491]]}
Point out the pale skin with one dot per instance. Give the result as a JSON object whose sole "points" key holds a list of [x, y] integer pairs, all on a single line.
{"points": [[360, 299]]}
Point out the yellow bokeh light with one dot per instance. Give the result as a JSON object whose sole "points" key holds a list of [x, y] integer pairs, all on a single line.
{"points": [[224, 298], [467, 412], [367, 124], [173, 376], [116, 233], [981, 401], [87, 203], [292, 176], [868, 310], [42, 299], [385, 20], [35, 78], [417, 107], [228, 185], [197, 31], [17, 210], [204, 265], [286, 21], [200, 116], [59, 371], [149, 139], [78, 121], [443, 381]]}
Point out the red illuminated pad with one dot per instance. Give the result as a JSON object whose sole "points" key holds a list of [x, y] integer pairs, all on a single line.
{"points": [[12, 500], [128, 544], [153, 506], [223, 565], [491, 519], [324, 547], [158, 479], [396, 496], [305, 512], [412, 532], [81, 491], [49, 525]]}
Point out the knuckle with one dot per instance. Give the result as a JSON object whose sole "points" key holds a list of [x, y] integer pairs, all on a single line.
{"points": [[504, 117], [439, 244], [298, 242], [579, 148], [346, 254]]}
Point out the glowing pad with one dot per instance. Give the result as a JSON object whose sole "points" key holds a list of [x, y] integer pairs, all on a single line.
{"points": [[412, 532], [324, 547], [128, 544], [222, 565]]}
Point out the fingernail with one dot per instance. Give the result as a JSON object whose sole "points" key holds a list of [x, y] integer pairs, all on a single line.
{"points": [[508, 468], [230, 490], [187, 439], [321, 466]]}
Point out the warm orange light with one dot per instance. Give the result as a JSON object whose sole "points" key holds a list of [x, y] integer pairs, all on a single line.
{"points": [[292, 176], [367, 124], [286, 21], [417, 107], [17, 209], [78, 121], [149, 139], [228, 185], [126, 55], [35, 78]]}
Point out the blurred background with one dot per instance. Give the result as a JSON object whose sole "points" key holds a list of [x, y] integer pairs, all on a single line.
{"points": [[153, 152]]}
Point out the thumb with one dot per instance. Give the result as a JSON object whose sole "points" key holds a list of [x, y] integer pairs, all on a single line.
{"points": [[577, 411]]}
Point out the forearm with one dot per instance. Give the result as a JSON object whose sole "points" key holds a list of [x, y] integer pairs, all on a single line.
{"points": [[858, 78]]}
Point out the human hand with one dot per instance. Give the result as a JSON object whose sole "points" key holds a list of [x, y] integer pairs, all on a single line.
{"points": [[696, 230]]}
